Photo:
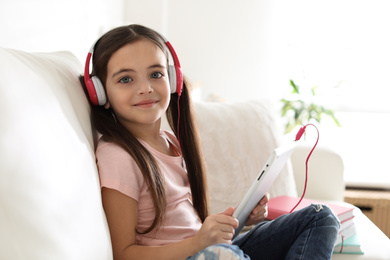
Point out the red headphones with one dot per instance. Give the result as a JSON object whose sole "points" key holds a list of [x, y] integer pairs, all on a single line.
{"points": [[95, 88]]}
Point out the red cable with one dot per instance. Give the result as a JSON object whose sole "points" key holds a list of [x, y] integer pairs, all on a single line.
{"points": [[178, 122], [298, 136], [342, 242]]}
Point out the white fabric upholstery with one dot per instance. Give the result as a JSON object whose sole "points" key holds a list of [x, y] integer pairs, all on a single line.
{"points": [[50, 205], [237, 139]]}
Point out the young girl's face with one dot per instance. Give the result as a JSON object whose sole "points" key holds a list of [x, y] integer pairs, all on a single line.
{"points": [[137, 84]]}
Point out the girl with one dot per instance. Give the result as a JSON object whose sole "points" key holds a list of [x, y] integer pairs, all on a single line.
{"points": [[153, 182]]}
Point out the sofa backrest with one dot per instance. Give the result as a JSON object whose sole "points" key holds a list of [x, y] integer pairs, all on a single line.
{"points": [[50, 202]]}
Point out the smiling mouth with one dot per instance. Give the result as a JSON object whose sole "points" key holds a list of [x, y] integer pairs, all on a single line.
{"points": [[146, 103]]}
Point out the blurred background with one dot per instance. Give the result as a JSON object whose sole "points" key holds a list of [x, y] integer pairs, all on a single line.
{"points": [[338, 50]]}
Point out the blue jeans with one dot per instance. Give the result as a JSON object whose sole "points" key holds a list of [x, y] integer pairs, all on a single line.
{"points": [[309, 233]]}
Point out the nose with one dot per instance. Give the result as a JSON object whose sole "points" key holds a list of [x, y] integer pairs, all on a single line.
{"points": [[145, 87]]}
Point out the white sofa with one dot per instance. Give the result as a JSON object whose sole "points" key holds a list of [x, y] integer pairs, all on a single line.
{"points": [[50, 205]]}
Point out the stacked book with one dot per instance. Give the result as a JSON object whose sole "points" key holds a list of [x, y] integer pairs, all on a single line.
{"points": [[347, 241]]}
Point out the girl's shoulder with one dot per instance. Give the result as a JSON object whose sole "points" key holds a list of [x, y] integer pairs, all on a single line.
{"points": [[104, 147], [102, 144], [118, 170]]}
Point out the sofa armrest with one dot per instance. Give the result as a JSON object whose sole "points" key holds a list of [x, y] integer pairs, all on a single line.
{"points": [[325, 173]]}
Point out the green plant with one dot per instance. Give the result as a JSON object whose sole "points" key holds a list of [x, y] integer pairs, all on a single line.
{"points": [[299, 109]]}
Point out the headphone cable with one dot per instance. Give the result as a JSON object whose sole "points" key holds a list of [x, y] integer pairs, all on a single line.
{"points": [[297, 137]]}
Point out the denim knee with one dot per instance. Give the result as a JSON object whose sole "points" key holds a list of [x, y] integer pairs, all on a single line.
{"points": [[326, 214]]}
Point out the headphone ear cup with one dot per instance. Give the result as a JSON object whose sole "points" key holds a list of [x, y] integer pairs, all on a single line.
{"points": [[172, 78], [179, 80], [100, 93], [175, 79]]}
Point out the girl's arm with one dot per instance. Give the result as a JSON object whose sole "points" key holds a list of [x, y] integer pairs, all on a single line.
{"points": [[121, 213]]}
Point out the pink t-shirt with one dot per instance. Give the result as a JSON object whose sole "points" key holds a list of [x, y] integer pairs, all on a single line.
{"points": [[118, 170]]}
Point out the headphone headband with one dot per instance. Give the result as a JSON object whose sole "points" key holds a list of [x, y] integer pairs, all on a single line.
{"points": [[179, 73]]}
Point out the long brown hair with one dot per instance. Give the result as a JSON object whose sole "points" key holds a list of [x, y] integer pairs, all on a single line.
{"points": [[114, 132]]}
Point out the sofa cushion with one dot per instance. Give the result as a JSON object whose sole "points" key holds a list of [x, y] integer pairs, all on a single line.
{"points": [[237, 139], [50, 204]]}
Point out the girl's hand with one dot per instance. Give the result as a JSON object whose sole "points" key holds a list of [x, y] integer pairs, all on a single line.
{"points": [[260, 212], [218, 228]]}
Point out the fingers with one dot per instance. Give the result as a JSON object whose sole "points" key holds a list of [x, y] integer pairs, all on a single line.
{"points": [[227, 219], [227, 224], [264, 200], [229, 211], [218, 228], [261, 206], [226, 232], [260, 212]]}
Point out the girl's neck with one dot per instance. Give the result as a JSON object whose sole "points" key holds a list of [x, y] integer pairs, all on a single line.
{"points": [[161, 144], [147, 133], [151, 135]]}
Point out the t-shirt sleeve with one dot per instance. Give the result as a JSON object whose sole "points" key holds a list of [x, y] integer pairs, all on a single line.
{"points": [[118, 170]]}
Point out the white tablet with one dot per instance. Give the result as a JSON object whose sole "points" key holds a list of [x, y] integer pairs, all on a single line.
{"points": [[262, 183]]}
